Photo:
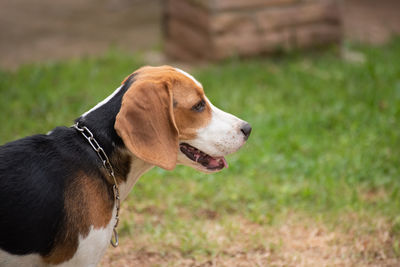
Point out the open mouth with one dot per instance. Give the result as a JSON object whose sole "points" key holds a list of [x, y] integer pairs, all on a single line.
{"points": [[211, 163]]}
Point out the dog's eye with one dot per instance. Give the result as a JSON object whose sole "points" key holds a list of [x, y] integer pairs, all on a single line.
{"points": [[199, 107]]}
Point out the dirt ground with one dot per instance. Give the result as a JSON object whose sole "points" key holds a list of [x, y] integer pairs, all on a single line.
{"points": [[296, 242], [32, 31]]}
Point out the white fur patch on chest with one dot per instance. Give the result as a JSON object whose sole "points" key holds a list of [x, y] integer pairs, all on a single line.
{"points": [[7, 259], [92, 247]]}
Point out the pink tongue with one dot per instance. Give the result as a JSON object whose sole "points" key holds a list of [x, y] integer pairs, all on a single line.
{"points": [[215, 162], [225, 162]]}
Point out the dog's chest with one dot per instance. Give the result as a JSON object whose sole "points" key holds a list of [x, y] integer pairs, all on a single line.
{"points": [[92, 247]]}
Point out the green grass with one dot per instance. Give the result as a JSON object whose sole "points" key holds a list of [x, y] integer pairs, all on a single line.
{"points": [[325, 140]]}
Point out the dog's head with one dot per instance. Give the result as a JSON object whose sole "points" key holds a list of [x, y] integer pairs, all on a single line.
{"points": [[166, 119]]}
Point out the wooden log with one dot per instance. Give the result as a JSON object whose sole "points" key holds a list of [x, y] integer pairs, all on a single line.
{"points": [[246, 4], [216, 29], [317, 34], [187, 37], [275, 18], [189, 13], [177, 51], [245, 43], [274, 41], [228, 22]]}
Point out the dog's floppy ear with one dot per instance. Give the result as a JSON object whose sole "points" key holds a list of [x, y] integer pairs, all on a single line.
{"points": [[146, 123]]}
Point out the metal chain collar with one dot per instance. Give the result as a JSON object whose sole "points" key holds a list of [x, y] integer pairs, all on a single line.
{"points": [[107, 165]]}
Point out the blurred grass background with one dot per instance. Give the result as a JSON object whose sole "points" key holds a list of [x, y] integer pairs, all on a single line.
{"points": [[325, 142]]}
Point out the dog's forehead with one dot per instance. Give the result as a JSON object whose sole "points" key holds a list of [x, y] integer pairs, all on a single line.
{"points": [[186, 85], [190, 77], [191, 90]]}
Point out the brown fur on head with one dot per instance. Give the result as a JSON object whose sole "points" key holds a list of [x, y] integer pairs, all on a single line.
{"points": [[157, 112]]}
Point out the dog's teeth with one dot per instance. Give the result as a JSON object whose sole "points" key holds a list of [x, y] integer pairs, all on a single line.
{"points": [[224, 162]]}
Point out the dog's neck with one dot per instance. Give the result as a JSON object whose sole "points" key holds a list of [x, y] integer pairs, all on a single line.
{"points": [[138, 167], [101, 118], [100, 121]]}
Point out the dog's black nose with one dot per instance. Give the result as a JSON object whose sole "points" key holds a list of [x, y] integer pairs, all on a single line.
{"points": [[246, 130]]}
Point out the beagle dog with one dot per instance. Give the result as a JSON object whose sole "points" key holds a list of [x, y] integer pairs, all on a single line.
{"points": [[58, 199]]}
